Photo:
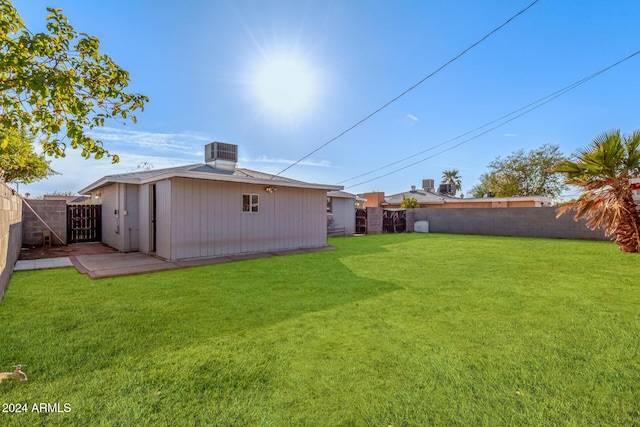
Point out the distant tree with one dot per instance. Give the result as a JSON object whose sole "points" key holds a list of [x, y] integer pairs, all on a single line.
{"points": [[56, 85], [146, 166], [20, 164], [409, 203], [481, 190], [62, 193], [523, 174], [452, 177], [603, 171]]}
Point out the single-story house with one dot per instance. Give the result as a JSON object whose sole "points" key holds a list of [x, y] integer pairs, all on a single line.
{"points": [[210, 209], [428, 198]]}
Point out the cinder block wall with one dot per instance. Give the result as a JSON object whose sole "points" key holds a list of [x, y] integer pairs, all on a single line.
{"points": [[374, 220], [519, 222], [10, 233], [411, 220], [53, 212]]}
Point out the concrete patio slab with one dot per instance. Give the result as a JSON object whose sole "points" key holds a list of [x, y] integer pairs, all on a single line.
{"points": [[38, 264], [123, 264], [119, 264]]}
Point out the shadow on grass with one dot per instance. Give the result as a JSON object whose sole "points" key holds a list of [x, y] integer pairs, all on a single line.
{"points": [[53, 319]]}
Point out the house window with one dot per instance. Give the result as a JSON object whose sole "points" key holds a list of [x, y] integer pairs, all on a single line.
{"points": [[250, 203], [329, 204]]}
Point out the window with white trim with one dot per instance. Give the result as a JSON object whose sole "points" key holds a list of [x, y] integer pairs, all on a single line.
{"points": [[250, 203]]}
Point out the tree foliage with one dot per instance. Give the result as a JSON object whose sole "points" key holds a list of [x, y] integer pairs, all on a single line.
{"points": [[409, 202], [603, 170], [523, 174], [452, 177], [57, 85], [20, 163]]}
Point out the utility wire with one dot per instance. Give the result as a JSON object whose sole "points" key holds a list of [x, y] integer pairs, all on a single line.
{"points": [[522, 111], [408, 90], [552, 96]]}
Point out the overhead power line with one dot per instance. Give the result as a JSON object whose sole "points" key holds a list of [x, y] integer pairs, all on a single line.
{"points": [[507, 119], [410, 89]]}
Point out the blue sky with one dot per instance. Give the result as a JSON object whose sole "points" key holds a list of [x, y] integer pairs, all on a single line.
{"points": [[204, 64]]}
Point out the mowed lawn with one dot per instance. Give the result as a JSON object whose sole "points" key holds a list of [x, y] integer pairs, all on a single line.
{"points": [[401, 330]]}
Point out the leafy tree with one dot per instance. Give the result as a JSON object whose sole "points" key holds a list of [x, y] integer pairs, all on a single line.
{"points": [[57, 85], [484, 188], [20, 163], [452, 177], [523, 174], [409, 202], [603, 171]]}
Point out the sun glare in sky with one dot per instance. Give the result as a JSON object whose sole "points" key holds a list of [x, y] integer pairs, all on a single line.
{"points": [[285, 86]]}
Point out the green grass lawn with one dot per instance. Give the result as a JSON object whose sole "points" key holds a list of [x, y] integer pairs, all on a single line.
{"points": [[402, 330]]}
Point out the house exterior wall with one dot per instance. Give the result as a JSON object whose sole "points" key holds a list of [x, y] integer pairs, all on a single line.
{"points": [[343, 213], [143, 218], [130, 217], [120, 216], [374, 199], [110, 218], [207, 219], [165, 210]]}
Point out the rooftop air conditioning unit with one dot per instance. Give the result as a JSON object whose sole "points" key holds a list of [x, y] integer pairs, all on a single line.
{"points": [[220, 151], [446, 189], [428, 185]]}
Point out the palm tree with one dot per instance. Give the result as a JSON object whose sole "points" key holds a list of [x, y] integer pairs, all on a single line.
{"points": [[603, 171], [452, 177]]}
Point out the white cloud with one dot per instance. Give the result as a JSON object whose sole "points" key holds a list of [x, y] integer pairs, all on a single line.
{"points": [[412, 117], [184, 142], [510, 134], [269, 160]]}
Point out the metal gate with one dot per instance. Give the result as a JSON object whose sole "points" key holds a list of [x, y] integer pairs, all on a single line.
{"points": [[361, 221], [394, 221], [84, 223]]}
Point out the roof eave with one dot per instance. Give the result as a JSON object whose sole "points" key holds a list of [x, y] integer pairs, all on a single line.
{"points": [[208, 177]]}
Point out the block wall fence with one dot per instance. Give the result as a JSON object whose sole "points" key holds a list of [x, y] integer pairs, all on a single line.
{"points": [[53, 212], [517, 222], [10, 233]]}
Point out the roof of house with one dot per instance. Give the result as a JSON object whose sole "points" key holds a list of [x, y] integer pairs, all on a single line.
{"points": [[206, 172], [423, 197], [69, 199], [426, 197], [341, 194]]}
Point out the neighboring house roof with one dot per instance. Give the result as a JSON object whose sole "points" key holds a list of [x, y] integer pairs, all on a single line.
{"points": [[206, 172], [540, 199], [423, 197], [341, 194], [71, 200], [428, 198]]}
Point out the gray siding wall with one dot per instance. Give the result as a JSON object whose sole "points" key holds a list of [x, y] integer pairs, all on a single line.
{"points": [[10, 234], [120, 216], [110, 220], [207, 219], [523, 222], [143, 218], [164, 212], [343, 212], [130, 208]]}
